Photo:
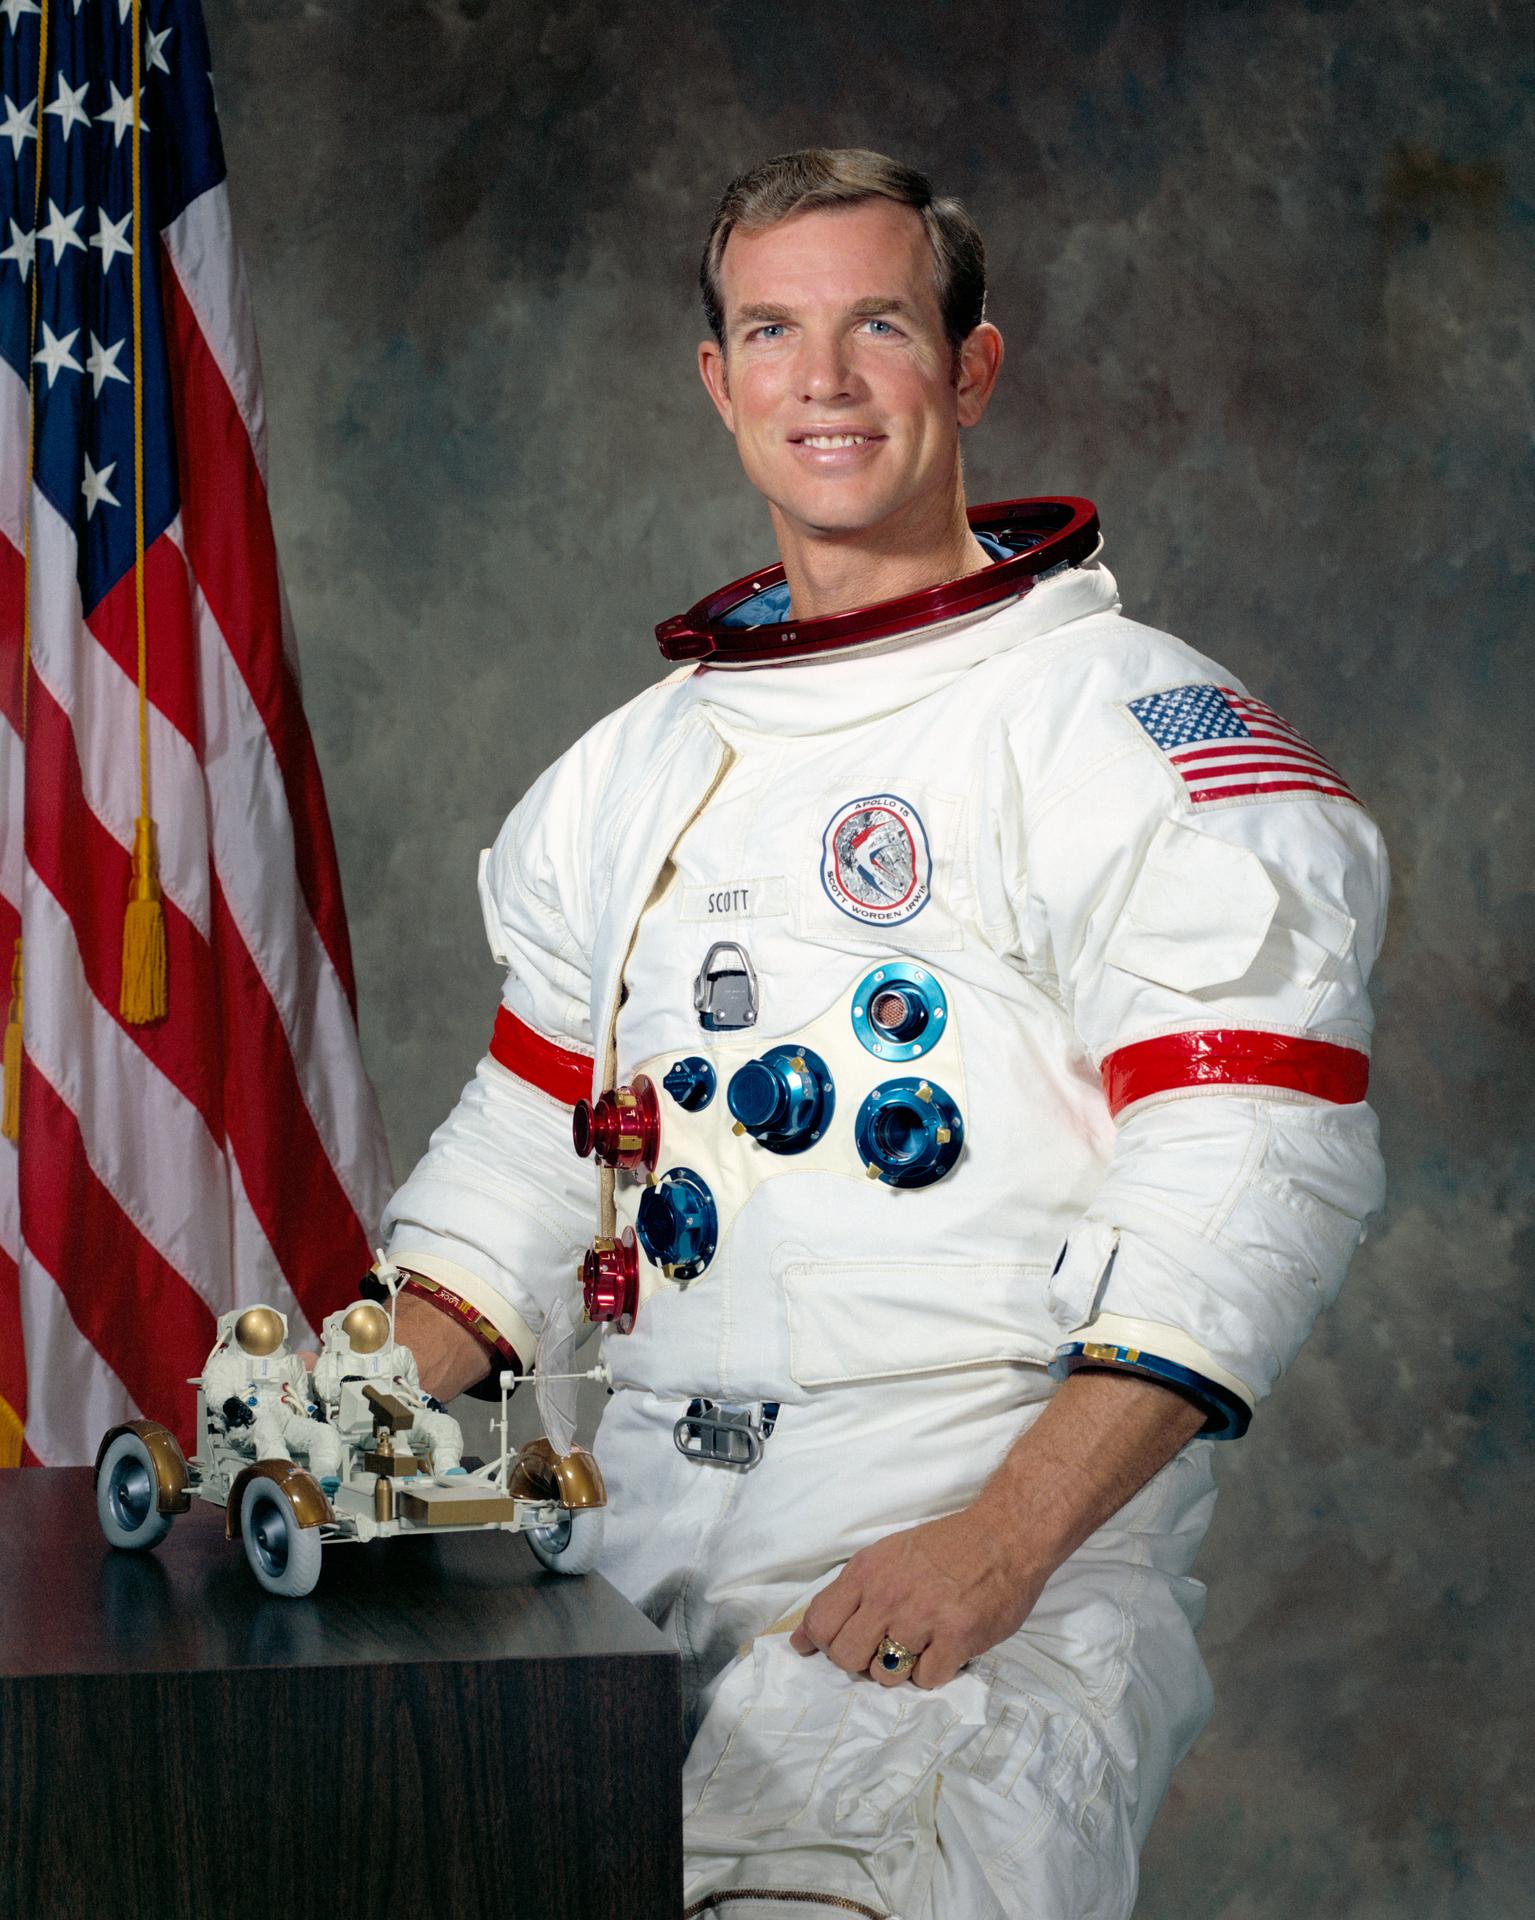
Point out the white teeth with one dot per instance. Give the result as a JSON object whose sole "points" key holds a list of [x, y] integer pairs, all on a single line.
{"points": [[828, 440]]}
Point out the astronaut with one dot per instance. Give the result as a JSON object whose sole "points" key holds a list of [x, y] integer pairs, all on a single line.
{"points": [[261, 1393], [358, 1345], [938, 1238]]}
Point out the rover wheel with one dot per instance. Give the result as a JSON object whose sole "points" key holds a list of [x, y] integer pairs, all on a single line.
{"points": [[126, 1495], [284, 1556], [573, 1543]]}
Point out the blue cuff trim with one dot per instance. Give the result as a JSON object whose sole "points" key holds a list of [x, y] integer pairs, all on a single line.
{"points": [[1227, 1415]]}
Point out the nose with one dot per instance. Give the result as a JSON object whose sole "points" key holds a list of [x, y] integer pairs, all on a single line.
{"points": [[825, 367]]}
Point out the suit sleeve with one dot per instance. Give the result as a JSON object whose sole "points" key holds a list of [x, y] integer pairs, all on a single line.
{"points": [[499, 1210], [1209, 937]]}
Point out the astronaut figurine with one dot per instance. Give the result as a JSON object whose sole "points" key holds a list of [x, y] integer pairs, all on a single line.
{"points": [[359, 1345], [262, 1394]]}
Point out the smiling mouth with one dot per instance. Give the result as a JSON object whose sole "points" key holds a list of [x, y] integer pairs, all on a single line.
{"points": [[831, 442]]}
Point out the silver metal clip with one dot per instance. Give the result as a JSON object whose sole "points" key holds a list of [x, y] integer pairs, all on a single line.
{"points": [[721, 1436], [725, 992]]}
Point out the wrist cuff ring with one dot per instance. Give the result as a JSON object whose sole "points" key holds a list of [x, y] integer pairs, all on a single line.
{"points": [[895, 1658]]}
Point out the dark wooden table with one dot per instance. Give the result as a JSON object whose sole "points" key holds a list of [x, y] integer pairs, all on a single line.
{"points": [[441, 1729]]}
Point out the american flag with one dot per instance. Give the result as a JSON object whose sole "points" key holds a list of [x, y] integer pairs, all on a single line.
{"points": [[1224, 745], [230, 1151]]}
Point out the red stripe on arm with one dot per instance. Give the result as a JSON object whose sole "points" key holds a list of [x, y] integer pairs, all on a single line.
{"points": [[562, 1074], [1231, 1057], [228, 534]]}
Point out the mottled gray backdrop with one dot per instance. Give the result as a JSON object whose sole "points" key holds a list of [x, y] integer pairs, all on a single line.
{"points": [[1266, 277]]}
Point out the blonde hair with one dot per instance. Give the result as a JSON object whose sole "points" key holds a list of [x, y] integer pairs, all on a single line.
{"points": [[842, 177]]}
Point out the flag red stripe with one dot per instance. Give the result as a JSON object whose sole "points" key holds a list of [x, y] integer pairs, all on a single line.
{"points": [[147, 1323], [1232, 1057], [172, 656], [1183, 756], [228, 536], [13, 1359], [1273, 786], [12, 576], [224, 1051], [320, 1244], [564, 1075], [13, 1356], [88, 873], [1201, 775]]}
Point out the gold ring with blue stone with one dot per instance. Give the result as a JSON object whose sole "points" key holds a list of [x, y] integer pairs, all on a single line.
{"points": [[895, 1658]]}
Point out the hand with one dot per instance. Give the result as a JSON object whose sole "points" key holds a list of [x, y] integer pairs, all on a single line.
{"points": [[948, 1589]]}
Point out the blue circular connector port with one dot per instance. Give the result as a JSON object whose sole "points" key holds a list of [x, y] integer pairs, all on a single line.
{"points": [[900, 1011], [909, 1133], [784, 1099], [690, 1083], [678, 1224]]}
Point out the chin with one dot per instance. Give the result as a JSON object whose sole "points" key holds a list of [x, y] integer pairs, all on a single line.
{"points": [[830, 511]]}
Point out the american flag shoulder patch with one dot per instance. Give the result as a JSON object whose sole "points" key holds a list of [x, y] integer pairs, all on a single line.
{"points": [[1227, 747]]}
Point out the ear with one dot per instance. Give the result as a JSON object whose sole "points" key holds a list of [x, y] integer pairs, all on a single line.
{"points": [[716, 378], [980, 361]]}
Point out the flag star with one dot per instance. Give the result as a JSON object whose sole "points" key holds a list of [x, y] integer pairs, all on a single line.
{"points": [[101, 364], [14, 9], [22, 250], [119, 116], [19, 125], [153, 57], [95, 488], [67, 106], [54, 354], [109, 237], [60, 230]]}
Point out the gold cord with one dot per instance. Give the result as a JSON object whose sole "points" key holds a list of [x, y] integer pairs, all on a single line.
{"points": [[143, 996]]}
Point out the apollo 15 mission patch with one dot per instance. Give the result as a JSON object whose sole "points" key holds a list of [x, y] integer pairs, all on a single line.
{"points": [[1230, 749], [875, 861]]}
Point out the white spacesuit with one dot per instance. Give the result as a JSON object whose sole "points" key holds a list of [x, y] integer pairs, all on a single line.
{"points": [[356, 1345], [1000, 992], [260, 1393]]}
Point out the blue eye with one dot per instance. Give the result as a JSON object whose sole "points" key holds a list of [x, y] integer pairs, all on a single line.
{"points": [[769, 326], [881, 323]]}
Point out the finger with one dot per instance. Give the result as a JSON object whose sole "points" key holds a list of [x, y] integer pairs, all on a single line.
{"points": [[826, 1615], [853, 1647], [936, 1667]]}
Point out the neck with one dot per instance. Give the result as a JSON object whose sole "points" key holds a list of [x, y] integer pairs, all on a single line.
{"points": [[830, 571]]}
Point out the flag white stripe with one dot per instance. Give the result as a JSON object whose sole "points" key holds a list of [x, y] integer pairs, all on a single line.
{"points": [[73, 1396], [12, 770], [145, 1142], [102, 705], [13, 454], [253, 852], [238, 792], [211, 269]]}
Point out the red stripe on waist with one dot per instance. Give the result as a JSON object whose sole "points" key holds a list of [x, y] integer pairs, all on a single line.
{"points": [[1232, 1057], [553, 1070]]}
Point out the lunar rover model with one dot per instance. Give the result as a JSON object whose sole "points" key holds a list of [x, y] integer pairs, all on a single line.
{"points": [[551, 1490]]}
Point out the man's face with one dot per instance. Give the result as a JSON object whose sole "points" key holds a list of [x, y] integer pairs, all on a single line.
{"points": [[838, 381]]}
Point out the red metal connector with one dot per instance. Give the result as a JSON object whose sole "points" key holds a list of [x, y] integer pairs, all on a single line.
{"points": [[610, 1280]]}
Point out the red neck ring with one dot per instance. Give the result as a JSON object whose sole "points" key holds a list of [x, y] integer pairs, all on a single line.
{"points": [[1062, 532]]}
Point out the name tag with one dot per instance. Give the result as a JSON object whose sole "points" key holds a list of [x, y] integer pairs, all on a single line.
{"points": [[740, 900]]}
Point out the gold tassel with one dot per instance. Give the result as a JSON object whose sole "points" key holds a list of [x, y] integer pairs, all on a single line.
{"points": [[143, 996], [10, 1434], [10, 1117]]}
